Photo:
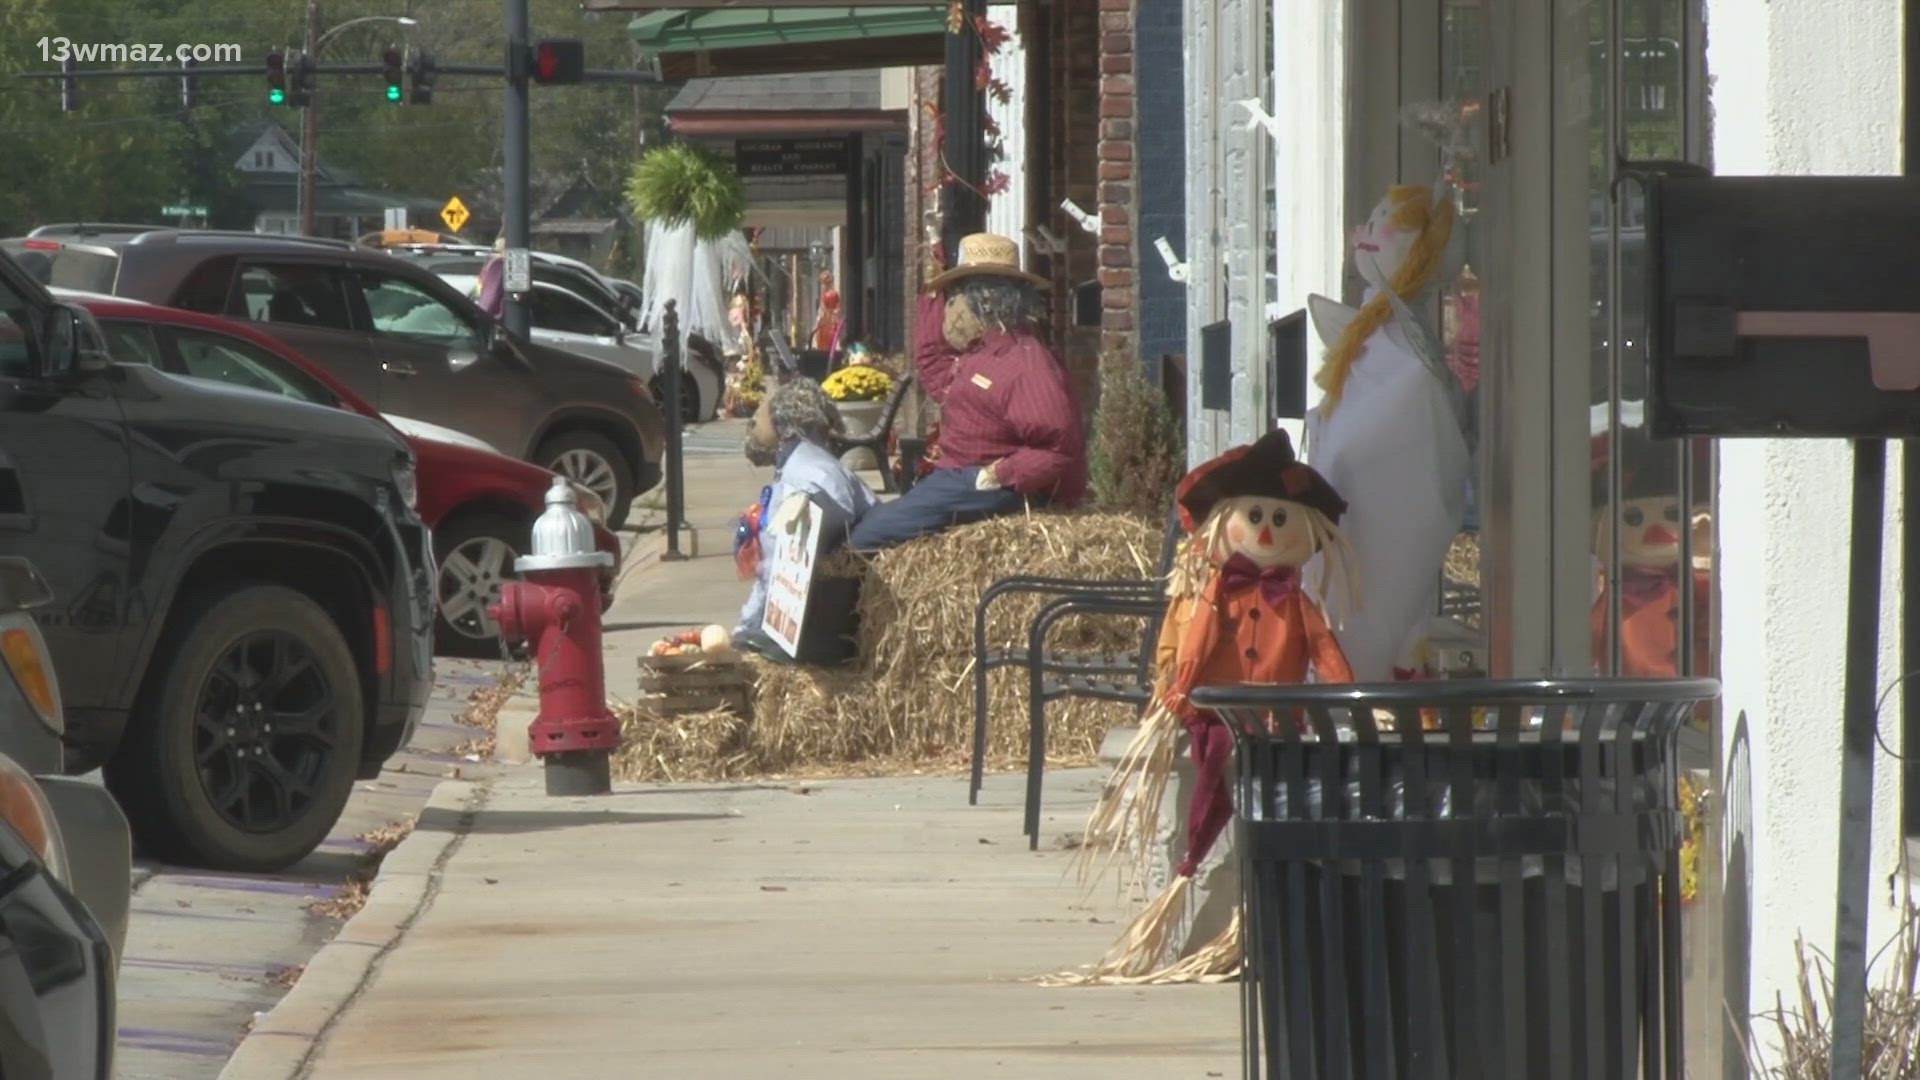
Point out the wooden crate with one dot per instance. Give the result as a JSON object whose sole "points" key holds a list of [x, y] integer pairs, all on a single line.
{"points": [[695, 683]]}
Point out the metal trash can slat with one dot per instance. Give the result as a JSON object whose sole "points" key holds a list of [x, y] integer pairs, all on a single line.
{"points": [[1493, 896]]}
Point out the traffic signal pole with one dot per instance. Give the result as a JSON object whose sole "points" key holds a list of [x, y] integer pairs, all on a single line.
{"points": [[309, 132], [514, 144]]}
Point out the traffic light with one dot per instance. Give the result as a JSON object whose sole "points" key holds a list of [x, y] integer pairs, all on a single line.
{"points": [[559, 61], [301, 94], [69, 86], [423, 79], [391, 60], [277, 77]]}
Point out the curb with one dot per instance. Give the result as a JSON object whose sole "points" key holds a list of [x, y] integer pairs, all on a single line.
{"points": [[283, 1040]]}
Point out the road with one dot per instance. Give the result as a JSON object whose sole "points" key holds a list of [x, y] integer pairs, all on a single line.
{"points": [[207, 951]]}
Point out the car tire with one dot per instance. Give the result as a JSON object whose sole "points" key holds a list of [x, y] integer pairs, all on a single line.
{"points": [[591, 459], [691, 411], [192, 791], [478, 540]]}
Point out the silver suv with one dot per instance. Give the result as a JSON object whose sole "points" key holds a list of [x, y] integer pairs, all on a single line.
{"points": [[389, 328]]}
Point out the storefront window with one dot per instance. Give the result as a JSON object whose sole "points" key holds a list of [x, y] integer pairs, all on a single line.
{"points": [[1462, 82], [1652, 522]]}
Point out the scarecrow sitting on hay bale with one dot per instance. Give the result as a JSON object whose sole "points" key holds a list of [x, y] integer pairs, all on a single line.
{"points": [[790, 432]]}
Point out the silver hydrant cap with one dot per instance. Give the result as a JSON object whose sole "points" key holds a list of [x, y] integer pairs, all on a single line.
{"points": [[562, 536]]}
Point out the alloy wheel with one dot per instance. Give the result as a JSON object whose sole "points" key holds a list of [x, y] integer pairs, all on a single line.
{"points": [[264, 729], [590, 471], [471, 578]]}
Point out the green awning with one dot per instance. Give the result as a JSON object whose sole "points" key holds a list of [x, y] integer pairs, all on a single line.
{"points": [[748, 41], [674, 31]]}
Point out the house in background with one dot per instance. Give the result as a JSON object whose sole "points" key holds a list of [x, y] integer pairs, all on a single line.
{"points": [[267, 158]]}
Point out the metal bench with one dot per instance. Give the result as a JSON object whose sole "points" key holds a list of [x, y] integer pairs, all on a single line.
{"points": [[1109, 676], [874, 439]]}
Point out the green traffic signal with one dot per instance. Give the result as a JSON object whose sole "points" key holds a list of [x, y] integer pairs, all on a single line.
{"points": [[393, 93], [277, 96]]}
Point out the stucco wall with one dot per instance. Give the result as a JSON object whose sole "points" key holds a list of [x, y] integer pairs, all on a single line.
{"points": [[1800, 87]]}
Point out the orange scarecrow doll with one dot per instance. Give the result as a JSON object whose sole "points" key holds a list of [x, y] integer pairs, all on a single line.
{"points": [[1651, 520], [1236, 614]]}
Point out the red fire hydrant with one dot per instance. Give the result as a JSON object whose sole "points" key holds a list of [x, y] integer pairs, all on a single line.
{"points": [[557, 609]]}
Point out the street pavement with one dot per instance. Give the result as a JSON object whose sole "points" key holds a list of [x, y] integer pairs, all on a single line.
{"points": [[207, 951]]}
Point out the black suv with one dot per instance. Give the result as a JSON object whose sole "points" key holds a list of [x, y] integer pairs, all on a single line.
{"points": [[242, 622], [389, 328]]}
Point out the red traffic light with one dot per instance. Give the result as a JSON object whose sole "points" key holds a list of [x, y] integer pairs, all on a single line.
{"points": [[559, 61]]}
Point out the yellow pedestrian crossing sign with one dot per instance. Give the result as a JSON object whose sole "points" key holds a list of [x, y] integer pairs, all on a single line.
{"points": [[454, 213]]}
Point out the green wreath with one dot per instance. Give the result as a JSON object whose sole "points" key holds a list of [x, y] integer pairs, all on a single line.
{"points": [[679, 183]]}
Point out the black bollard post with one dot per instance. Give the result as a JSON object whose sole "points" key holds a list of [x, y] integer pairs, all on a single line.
{"points": [[670, 347]]}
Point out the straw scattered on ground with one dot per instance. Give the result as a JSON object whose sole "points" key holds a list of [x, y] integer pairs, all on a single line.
{"points": [[484, 704], [352, 895], [907, 703]]}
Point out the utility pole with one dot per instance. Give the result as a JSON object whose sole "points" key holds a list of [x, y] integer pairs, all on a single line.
{"points": [[309, 130], [514, 130]]}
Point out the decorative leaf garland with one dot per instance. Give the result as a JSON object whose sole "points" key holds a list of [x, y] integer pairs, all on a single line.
{"points": [[680, 183], [991, 36]]}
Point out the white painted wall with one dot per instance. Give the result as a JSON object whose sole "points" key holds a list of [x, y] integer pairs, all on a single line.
{"points": [[1007, 211], [1800, 87]]}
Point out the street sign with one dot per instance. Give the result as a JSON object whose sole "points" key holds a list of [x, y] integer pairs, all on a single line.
{"points": [[791, 157], [519, 275], [180, 210], [455, 213]]}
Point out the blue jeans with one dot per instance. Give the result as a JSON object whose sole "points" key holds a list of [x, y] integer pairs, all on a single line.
{"points": [[939, 501]]}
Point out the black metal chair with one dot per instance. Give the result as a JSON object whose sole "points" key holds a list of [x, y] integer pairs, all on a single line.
{"points": [[875, 438], [1122, 676]]}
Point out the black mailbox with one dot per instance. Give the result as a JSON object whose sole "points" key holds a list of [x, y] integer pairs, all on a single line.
{"points": [[1784, 306]]}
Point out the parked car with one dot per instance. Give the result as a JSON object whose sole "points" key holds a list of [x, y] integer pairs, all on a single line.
{"points": [[570, 274], [563, 319], [393, 332], [243, 611], [480, 505]]}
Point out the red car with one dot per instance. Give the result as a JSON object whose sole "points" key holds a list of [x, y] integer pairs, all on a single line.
{"points": [[480, 504]]}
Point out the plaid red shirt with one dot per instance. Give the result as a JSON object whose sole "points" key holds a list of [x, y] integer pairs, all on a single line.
{"points": [[1004, 400]]}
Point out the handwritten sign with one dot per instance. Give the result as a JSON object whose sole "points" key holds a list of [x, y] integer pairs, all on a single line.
{"points": [[793, 541]]}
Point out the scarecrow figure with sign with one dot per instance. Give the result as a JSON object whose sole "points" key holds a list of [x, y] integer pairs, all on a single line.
{"points": [[1236, 614], [1390, 432], [790, 432]]}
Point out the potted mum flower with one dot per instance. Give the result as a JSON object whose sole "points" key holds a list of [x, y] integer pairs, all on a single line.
{"points": [[860, 392]]}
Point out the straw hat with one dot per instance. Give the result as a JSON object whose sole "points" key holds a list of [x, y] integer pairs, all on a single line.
{"points": [[985, 253]]}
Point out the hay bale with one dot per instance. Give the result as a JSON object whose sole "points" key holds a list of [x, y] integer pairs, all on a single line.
{"points": [[911, 695]]}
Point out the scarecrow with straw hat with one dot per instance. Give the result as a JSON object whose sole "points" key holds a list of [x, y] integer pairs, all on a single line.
{"points": [[1236, 614], [1010, 428]]}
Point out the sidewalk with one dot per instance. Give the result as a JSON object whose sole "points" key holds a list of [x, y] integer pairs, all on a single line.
{"points": [[848, 929]]}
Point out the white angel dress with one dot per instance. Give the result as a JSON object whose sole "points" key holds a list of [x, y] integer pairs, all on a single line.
{"points": [[1394, 447]]}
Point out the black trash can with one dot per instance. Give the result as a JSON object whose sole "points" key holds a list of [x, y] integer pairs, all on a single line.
{"points": [[1461, 880]]}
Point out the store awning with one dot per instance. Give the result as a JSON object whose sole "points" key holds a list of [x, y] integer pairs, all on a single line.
{"points": [[690, 43]]}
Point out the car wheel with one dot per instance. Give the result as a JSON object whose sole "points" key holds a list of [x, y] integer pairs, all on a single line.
{"points": [[690, 411], [245, 749], [593, 462], [473, 557]]}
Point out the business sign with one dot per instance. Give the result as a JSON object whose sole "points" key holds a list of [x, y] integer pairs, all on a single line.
{"points": [[792, 541], [791, 157]]}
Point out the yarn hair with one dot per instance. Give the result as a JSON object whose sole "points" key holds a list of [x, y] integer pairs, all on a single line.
{"points": [[1414, 210]]}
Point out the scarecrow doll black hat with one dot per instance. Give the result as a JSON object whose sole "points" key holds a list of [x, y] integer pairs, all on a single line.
{"points": [[1267, 468]]}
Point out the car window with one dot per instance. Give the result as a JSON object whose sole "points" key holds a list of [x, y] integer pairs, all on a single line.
{"points": [[16, 335], [131, 342], [569, 315], [292, 293], [207, 355], [400, 308], [208, 286]]}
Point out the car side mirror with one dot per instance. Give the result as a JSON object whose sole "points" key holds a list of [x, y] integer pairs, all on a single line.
{"points": [[70, 343]]}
